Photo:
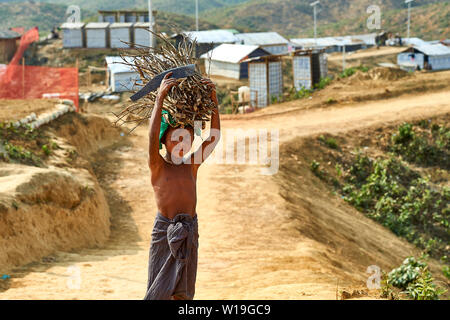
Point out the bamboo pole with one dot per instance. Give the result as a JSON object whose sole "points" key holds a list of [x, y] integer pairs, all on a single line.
{"points": [[23, 78]]}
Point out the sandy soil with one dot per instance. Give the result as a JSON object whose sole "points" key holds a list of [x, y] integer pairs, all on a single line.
{"points": [[13, 110], [373, 52], [250, 248]]}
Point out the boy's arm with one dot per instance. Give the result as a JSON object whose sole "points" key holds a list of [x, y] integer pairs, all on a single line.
{"points": [[211, 142], [155, 160]]}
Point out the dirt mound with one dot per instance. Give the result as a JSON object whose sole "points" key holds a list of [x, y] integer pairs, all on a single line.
{"points": [[47, 210], [58, 206], [87, 133], [350, 241], [378, 74]]}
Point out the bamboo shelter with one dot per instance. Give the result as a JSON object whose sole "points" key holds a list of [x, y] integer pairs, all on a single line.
{"points": [[188, 102], [266, 80]]}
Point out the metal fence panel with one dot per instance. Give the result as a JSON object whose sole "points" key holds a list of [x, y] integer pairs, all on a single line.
{"points": [[323, 65], [302, 72], [258, 83], [275, 79]]}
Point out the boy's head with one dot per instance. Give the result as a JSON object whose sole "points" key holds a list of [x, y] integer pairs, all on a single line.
{"points": [[178, 141]]}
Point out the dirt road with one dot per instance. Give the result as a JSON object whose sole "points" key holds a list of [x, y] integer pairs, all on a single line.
{"points": [[383, 51], [249, 249]]}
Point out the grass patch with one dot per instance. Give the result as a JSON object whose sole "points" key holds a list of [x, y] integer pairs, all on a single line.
{"points": [[24, 145]]}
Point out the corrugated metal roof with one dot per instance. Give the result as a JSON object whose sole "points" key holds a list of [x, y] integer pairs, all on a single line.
{"points": [[9, 34], [368, 39], [142, 25], [72, 25], [97, 25], [116, 64], [332, 41], [212, 36], [413, 41], [261, 38], [233, 53], [433, 49], [121, 25]]}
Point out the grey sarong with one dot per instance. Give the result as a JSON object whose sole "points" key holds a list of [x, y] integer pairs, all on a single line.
{"points": [[172, 266]]}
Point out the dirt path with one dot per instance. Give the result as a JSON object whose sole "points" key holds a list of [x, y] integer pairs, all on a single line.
{"points": [[383, 51], [248, 247]]}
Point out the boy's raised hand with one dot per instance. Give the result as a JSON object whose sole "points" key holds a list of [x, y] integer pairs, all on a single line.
{"points": [[167, 84]]}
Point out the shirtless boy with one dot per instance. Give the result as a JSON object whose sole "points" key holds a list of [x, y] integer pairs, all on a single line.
{"points": [[174, 247]]}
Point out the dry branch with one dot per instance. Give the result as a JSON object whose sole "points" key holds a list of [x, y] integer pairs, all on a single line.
{"points": [[187, 102]]}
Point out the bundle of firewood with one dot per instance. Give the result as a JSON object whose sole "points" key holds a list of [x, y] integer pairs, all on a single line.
{"points": [[187, 102]]}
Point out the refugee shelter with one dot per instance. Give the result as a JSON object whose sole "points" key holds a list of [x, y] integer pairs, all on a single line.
{"points": [[119, 33], [425, 56], [207, 40], [8, 45], [121, 77], [269, 41], [335, 44], [141, 34], [73, 34], [227, 60], [97, 35], [266, 80], [309, 66], [131, 16]]}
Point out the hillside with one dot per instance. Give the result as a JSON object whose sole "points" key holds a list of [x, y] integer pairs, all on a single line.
{"points": [[430, 22], [292, 18], [176, 6], [295, 18], [46, 16], [31, 14]]}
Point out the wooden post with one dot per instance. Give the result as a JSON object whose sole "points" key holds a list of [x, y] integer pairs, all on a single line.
{"points": [[268, 83], [77, 65], [23, 78]]}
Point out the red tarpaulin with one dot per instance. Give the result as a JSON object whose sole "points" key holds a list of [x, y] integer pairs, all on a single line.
{"points": [[32, 82]]}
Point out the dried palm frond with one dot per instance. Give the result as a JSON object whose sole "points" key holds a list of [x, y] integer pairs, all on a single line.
{"points": [[187, 102]]}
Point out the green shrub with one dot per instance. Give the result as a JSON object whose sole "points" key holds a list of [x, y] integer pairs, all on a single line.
{"points": [[407, 273], [426, 149], [323, 83], [415, 279], [397, 197], [47, 151], [331, 101], [329, 142]]}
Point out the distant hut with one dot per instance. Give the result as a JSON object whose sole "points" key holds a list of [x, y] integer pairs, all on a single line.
{"points": [[425, 56], [227, 60], [309, 66], [335, 44], [73, 35], [266, 80], [131, 16], [141, 34], [207, 40], [97, 35], [8, 45], [121, 77], [120, 33], [269, 41]]}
